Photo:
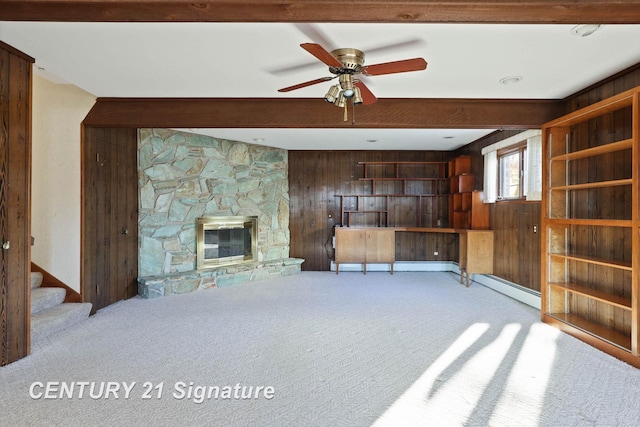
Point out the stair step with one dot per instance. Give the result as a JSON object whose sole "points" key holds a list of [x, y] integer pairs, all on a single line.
{"points": [[36, 279], [58, 318], [44, 298]]}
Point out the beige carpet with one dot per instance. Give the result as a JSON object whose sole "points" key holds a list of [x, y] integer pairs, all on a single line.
{"points": [[318, 349]]}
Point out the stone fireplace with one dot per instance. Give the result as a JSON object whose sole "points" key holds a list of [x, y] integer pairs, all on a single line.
{"points": [[184, 177], [226, 240]]}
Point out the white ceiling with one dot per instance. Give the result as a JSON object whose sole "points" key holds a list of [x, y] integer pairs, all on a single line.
{"points": [[247, 60]]}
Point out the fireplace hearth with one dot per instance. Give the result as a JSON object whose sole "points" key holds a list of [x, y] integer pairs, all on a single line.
{"points": [[226, 240]]}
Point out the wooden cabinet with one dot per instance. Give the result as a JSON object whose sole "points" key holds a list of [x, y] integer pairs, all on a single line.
{"points": [[380, 247], [591, 222], [350, 246], [377, 245], [466, 209], [365, 245], [397, 184], [476, 253]]}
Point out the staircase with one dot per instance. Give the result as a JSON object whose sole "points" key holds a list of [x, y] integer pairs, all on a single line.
{"points": [[49, 313]]}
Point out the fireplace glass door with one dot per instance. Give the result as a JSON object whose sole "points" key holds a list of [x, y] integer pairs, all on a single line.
{"points": [[225, 240]]}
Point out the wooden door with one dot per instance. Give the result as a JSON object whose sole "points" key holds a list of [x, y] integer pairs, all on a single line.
{"points": [[109, 216], [15, 203]]}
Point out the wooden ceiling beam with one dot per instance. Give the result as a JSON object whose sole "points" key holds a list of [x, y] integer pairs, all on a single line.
{"points": [[408, 11], [315, 113]]}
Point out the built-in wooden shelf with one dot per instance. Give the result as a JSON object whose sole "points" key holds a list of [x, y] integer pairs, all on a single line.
{"points": [[595, 151], [590, 222], [400, 179], [624, 265], [466, 208], [591, 225], [616, 300], [397, 167], [386, 195], [597, 331], [427, 182], [599, 184]]}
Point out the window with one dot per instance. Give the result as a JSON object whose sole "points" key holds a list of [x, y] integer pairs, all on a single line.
{"points": [[511, 172], [513, 168]]}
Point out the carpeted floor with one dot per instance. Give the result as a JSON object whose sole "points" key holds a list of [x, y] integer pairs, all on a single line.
{"points": [[320, 349]]}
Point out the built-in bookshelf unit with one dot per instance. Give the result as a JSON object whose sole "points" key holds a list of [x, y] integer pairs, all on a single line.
{"points": [[392, 186], [466, 209], [590, 234]]}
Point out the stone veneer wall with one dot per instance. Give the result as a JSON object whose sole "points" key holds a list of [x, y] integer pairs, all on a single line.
{"points": [[184, 176]]}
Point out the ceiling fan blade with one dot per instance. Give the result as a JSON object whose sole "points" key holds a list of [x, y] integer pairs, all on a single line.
{"points": [[394, 47], [414, 64], [321, 53], [295, 68], [315, 34], [367, 96], [305, 84]]}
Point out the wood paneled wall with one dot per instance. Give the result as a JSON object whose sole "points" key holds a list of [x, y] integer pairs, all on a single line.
{"points": [[517, 247], [625, 80], [15, 203], [316, 177], [516, 242]]}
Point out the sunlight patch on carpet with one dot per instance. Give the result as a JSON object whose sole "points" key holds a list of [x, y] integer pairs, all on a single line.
{"points": [[526, 388], [414, 405]]}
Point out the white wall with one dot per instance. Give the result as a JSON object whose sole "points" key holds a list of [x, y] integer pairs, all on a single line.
{"points": [[58, 111]]}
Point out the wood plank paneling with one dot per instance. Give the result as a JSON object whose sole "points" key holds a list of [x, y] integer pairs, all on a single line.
{"points": [[516, 257], [516, 246], [316, 177], [15, 203]]}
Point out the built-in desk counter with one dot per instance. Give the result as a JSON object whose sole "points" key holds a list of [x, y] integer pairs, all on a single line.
{"points": [[377, 245]]}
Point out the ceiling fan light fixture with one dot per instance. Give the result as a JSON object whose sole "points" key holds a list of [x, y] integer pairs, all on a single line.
{"points": [[357, 96], [332, 94], [346, 83], [345, 65]]}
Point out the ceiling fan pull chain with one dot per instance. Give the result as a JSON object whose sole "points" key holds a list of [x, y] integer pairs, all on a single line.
{"points": [[353, 114], [346, 112]]}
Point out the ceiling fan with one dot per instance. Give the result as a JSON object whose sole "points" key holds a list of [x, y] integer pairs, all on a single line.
{"points": [[346, 64]]}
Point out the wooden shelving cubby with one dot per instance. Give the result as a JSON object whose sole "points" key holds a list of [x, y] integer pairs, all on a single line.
{"points": [[391, 184], [466, 209]]}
